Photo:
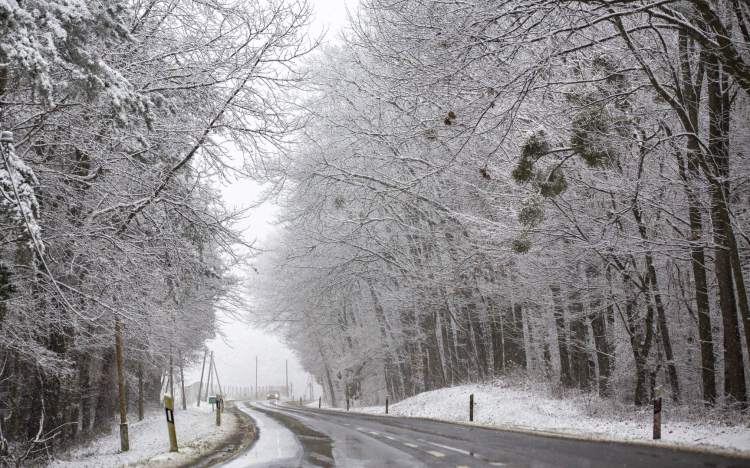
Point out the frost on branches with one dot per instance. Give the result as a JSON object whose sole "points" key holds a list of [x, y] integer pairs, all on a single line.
{"points": [[18, 206]]}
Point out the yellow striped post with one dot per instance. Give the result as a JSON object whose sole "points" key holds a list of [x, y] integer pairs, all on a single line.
{"points": [[169, 407]]}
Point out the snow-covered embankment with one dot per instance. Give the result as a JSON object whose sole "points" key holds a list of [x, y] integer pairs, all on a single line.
{"points": [[196, 429], [518, 407]]}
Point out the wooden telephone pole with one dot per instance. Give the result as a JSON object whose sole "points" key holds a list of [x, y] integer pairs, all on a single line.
{"points": [[203, 369]]}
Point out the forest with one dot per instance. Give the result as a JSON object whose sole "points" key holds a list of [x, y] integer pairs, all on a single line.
{"points": [[117, 250], [547, 190]]}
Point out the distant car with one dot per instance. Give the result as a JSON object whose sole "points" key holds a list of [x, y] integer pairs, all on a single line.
{"points": [[273, 396]]}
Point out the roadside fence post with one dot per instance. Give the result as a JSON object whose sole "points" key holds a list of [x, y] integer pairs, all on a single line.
{"points": [[169, 407], [471, 407], [657, 412], [218, 410], [386, 404]]}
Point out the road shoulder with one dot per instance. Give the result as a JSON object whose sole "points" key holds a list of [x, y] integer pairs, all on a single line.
{"points": [[204, 454]]}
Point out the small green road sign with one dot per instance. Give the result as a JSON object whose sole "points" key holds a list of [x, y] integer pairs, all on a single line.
{"points": [[212, 400]]}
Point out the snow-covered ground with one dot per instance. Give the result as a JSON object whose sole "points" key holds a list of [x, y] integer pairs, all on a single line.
{"points": [[521, 408], [149, 441]]}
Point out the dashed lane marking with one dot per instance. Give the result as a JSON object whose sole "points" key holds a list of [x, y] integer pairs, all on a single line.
{"points": [[389, 437], [375, 433], [437, 454], [465, 452], [410, 445]]}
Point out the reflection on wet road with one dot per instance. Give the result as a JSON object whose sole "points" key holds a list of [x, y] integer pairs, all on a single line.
{"points": [[276, 445], [292, 436]]}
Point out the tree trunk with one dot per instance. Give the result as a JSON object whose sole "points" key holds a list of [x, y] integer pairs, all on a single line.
{"points": [[124, 442], [718, 106], [562, 337], [182, 384], [141, 412], [498, 358], [515, 348], [691, 90], [477, 340], [599, 331]]}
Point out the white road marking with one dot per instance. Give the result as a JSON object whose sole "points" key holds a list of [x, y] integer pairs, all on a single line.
{"points": [[410, 445], [462, 466], [437, 454], [498, 464], [373, 432], [361, 429], [465, 452], [388, 437]]}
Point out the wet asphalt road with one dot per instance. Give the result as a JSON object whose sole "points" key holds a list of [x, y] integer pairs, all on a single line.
{"points": [[331, 438]]}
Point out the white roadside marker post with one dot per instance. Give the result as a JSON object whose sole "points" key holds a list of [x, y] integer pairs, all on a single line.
{"points": [[657, 413], [169, 407]]}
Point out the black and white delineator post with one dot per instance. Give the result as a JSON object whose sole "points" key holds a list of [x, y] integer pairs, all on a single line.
{"points": [[657, 413], [219, 403], [169, 407]]}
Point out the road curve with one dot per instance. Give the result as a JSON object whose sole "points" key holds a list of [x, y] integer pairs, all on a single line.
{"points": [[331, 438]]}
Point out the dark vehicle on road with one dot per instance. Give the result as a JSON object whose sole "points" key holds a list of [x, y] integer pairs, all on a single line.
{"points": [[273, 396]]}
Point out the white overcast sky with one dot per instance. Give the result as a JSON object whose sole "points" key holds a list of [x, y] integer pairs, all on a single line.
{"points": [[235, 353]]}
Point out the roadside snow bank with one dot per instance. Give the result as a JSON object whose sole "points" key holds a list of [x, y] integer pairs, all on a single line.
{"points": [[149, 441], [505, 407]]}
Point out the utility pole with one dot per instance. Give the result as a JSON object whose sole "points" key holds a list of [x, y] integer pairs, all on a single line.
{"points": [[256, 377], [210, 380], [203, 369], [286, 362], [218, 382]]}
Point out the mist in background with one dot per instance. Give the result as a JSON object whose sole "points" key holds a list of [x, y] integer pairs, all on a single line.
{"points": [[235, 352]]}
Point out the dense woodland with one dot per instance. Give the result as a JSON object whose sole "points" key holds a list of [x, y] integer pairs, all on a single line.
{"points": [[116, 250], [556, 190], [552, 190]]}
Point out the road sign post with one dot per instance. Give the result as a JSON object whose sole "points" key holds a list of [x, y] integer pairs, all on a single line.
{"points": [[212, 401], [471, 407], [657, 413], [169, 407]]}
